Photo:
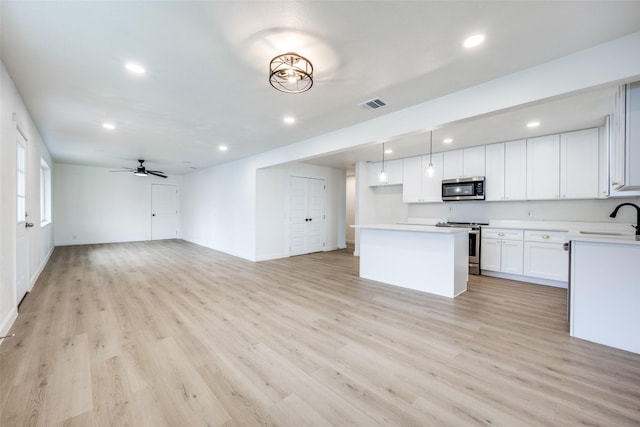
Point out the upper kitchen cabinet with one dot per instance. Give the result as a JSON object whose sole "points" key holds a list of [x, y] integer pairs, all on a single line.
{"points": [[392, 168], [506, 171], [579, 164], [543, 167], [473, 158], [464, 163], [625, 143], [453, 164], [417, 186]]}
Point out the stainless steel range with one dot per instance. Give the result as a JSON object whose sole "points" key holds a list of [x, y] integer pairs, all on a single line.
{"points": [[474, 242]]}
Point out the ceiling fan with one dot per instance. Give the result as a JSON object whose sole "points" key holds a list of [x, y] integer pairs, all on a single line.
{"points": [[142, 171]]}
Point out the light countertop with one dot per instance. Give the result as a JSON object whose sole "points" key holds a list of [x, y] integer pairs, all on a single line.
{"points": [[604, 238], [414, 227]]}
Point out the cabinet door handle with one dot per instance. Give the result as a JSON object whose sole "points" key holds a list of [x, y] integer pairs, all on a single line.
{"points": [[545, 236], [500, 234]]}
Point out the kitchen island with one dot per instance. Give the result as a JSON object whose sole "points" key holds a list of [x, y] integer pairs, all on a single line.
{"points": [[421, 257], [604, 290]]}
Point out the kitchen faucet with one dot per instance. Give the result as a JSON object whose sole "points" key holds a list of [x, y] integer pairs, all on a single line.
{"points": [[615, 212]]}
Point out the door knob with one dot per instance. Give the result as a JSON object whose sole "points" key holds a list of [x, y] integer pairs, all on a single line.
{"points": [[153, 214], [28, 224]]}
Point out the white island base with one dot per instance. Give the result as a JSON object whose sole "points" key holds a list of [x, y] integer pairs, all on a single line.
{"points": [[424, 258]]}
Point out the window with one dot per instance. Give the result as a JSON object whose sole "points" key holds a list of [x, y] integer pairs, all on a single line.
{"points": [[45, 193]]}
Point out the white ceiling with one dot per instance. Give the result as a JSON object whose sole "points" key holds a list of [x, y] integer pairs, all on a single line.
{"points": [[207, 63]]}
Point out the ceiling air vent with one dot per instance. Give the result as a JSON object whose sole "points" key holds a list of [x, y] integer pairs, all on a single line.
{"points": [[373, 104]]}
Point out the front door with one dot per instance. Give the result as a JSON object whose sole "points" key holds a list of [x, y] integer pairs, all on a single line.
{"points": [[22, 218], [164, 211]]}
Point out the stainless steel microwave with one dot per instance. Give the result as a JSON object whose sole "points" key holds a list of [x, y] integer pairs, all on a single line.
{"points": [[463, 189]]}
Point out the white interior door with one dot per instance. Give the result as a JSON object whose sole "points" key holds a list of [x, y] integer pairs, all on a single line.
{"points": [[164, 211], [306, 215], [22, 220]]}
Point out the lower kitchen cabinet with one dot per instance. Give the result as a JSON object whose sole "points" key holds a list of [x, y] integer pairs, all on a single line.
{"points": [[544, 255], [501, 250], [534, 256]]}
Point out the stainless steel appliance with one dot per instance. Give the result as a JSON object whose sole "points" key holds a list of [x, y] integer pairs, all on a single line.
{"points": [[463, 189], [474, 242]]}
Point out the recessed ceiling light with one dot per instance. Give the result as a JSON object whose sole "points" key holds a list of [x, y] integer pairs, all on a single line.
{"points": [[222, 148], [447, 140], [289, 120], [474, 40], [388, 151], [134, 68], [108, 126], [533, 124]]}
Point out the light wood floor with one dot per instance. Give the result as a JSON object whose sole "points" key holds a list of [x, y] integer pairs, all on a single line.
{"points": [[170, 333]]}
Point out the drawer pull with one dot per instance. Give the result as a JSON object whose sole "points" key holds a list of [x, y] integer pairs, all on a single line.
{"points": [[545, 236], [500, 234]]}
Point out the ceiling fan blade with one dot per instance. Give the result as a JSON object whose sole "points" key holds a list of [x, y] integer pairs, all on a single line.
{"points": [[124, 170], [157, 173]]}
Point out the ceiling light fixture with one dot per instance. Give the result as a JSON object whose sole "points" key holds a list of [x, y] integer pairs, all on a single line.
{"points": [[533, 124], [447, 141], [289, 120], [135, 68], [388, 151], [383, 178], [108, 126], [473, 41], [222, 148], [430, 166], [291, 73]]}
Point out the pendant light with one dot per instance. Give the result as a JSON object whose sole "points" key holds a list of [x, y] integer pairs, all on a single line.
{"points": [[382, 178], [430, 166]]}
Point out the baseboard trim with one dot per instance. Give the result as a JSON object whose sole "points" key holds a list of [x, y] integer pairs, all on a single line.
{"points": [[43, 264], [527, 279]]}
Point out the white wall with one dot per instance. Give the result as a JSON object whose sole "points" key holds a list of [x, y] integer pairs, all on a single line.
{"points": [[40, 239], [218, 208], [272, 207], [93, 205]]}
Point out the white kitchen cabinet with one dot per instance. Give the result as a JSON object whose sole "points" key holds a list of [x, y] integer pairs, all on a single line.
{"points": [[515, 170], [393, 168], [417, 186], [473, 161], [501, 250], [464, 163], [453, 164], [579, 161], [494, 180], [412, 179], [543, 167], [506, 171], [544, 255], [432, 186], [625, 142]]}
